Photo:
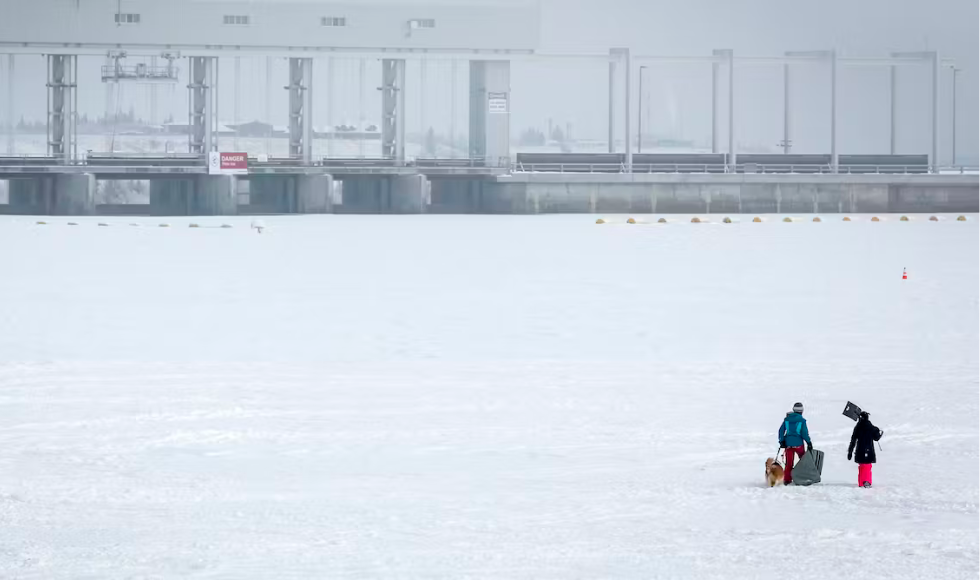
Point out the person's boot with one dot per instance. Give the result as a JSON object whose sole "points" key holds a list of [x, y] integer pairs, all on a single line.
{"points": [[866, 484]]}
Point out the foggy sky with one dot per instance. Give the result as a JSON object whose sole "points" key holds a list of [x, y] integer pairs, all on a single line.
{"points": [[676, 98]]}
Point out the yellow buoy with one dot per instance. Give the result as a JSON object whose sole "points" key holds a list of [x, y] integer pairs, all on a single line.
{"points": [[875, 219], [662, 221], [904, 218], [727, 220], [193, 226], [695, 220], [962, 218], [933, 219], [598, 221], [847, 219], [817, 219], [757, 220], [630, 221], [787, 220], [42, 223]]}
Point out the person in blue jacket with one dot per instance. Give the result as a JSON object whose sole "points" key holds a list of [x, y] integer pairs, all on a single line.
{"points": [[792, 434]]}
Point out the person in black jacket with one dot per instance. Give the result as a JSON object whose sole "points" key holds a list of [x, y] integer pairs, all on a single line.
{"points": [[862, 447]]}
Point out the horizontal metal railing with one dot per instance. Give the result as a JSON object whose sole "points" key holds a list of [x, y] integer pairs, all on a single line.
{"points": [[447, 166], [748, 168]]}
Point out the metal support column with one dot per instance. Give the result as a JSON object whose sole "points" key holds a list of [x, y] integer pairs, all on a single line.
{"points": [[639, 116], [715, 81], [268, 104], [732, 154], [454, 91], [892, 110], [11, 122], [201, 104], [62, 106], [393, 109], [627, 137], [611, 105], [934, 158], [956, 71], [153, 94], [834, 165], [331, 113], [300, 108], [238, 92], [787, 115]]}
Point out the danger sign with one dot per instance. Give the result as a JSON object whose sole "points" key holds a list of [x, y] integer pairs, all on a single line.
{"points": [[497, 102], [223, 163]]}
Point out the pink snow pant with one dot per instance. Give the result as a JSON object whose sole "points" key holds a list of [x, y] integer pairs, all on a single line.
{"points": [[864, 473], [788, 472]]}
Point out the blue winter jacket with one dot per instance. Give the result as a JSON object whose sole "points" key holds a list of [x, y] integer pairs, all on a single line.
{"points": [[793, 430]]}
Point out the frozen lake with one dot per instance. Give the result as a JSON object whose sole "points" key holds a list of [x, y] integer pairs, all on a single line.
{"points": [[483, 396]]}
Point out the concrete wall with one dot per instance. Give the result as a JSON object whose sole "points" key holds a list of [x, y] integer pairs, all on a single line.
{"points": [[456, 195], [74, 195], [272, 194], [409, 194], [65, 194], [171, 196], [604, 194], [362, 194], [215, 195], [905, 198], [200, 195], [314, 194]]}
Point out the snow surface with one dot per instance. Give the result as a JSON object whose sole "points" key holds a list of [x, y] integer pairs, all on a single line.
{"points": [[482, 397]]}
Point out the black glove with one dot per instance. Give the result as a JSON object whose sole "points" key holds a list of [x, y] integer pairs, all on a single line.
{"points": [[809, 447], [848, 455], [782, 445]]}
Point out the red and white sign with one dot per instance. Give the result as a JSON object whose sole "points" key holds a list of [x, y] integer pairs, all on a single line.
{"points": [[223, 163]]}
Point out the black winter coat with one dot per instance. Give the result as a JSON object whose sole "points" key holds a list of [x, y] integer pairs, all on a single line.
{"points": [[862, 441]]}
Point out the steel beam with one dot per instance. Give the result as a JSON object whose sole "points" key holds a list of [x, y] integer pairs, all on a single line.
{"points": [[715, 81], [201, 104], [787, 115], [892, 110], [393, 109], [936, 65], [833, 112], [611, 104], [627, 136], [300, 108], [732, 153], [62, 106], [11, 96]]}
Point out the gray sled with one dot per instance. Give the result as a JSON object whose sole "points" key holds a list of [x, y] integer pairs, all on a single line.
{"points": [[809, 468]]}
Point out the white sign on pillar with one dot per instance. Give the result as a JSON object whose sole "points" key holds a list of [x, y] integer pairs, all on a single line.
{"points": [[497, 102]]}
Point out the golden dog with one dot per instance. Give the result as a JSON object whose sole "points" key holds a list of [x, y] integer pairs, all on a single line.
{"points": [[774, 472]]}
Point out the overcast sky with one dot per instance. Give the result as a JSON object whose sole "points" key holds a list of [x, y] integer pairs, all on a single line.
{"points": [[676, 98]]}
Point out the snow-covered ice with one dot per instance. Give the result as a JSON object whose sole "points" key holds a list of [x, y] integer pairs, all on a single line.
{"points": [[483, 397]]}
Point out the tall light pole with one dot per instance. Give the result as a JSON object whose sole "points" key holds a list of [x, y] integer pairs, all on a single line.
{"points": [[639, 136], [955, 72]]}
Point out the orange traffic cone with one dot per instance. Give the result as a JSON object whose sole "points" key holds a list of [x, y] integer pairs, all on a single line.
{"points": [[905, 275]]}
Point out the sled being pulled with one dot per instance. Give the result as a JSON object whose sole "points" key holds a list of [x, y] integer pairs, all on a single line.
{"points": [[807, 471]]}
